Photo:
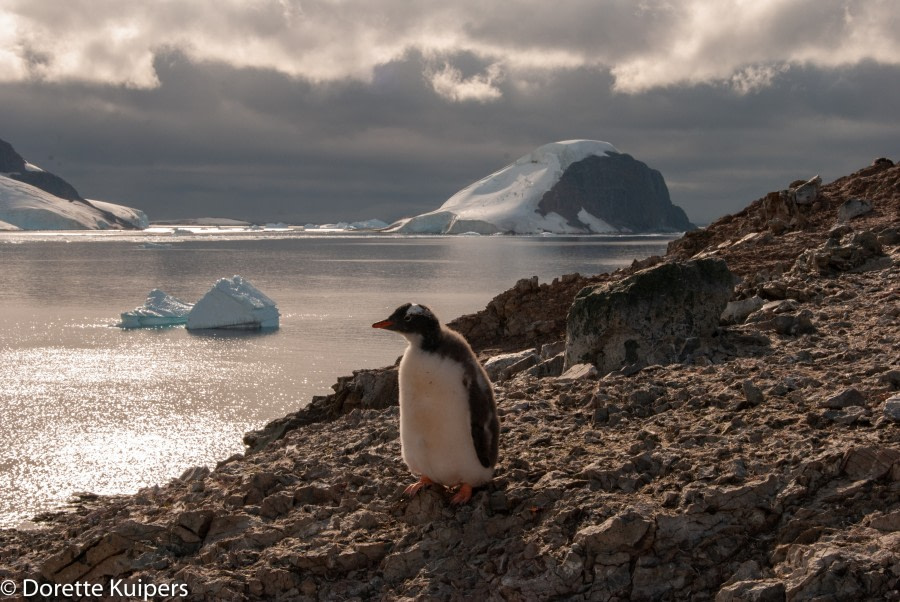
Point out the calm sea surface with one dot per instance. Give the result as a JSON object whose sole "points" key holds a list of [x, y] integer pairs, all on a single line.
{"points": [[86, 406]]}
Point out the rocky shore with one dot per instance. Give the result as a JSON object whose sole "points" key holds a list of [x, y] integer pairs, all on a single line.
{"points": [[756, 461]]}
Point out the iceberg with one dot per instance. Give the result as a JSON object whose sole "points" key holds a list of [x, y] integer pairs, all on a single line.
{"points": [[368, 224], [160, 309], [233, 303]]}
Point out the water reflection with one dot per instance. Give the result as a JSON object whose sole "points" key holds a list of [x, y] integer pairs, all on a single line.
{"points": [[87, 406]]}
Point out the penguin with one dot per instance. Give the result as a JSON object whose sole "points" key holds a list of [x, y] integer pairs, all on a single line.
{"points": [[449, 430]]}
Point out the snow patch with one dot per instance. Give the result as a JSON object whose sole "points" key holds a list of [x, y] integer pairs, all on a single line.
{"points": [[233, 303], [596, 225], [135, 217], [369, 224]]}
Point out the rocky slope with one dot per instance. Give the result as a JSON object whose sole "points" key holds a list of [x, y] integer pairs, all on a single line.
{"points": [[763, 465]]}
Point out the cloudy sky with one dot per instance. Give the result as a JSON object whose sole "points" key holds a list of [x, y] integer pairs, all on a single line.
{"points": [[325, 110]]}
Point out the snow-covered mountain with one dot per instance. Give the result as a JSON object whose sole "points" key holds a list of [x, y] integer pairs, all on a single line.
{"points": [[569, 187], [34, 199]]}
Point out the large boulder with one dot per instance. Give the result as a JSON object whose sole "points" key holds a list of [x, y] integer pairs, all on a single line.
{"points": [[647, 317]]}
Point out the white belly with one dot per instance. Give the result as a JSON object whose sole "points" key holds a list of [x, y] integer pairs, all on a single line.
{"points": [[435, 431]]}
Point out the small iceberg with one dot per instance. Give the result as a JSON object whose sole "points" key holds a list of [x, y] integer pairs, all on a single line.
{"points": [[233, 303], [160, 309]]}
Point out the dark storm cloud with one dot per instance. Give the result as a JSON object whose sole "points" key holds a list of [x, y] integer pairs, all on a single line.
{"points": [[310, 112]]}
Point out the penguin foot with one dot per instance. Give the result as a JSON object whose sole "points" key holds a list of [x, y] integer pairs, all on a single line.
{"points": [[414, 488], [463, 495]]}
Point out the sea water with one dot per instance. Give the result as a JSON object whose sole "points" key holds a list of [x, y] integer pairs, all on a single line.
{"points": [[89, 407]]}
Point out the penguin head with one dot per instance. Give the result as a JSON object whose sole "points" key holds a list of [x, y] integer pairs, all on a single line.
{"points": [[411, 319]]}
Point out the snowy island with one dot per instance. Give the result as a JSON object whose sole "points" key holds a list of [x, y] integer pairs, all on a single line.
{"points": [[34, 199], [569, 187]]}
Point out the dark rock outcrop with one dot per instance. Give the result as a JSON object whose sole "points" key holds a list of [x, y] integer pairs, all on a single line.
{"points": [[649, 317], [618, 189], [12, 165]]}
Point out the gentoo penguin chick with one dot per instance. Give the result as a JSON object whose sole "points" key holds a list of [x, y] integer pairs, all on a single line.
{"points": [[448, 419]]}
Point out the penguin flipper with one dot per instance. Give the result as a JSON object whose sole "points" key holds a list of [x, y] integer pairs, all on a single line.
{"points": [[484, 424]]}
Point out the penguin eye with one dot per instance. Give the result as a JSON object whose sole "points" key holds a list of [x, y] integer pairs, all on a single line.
{"points": [[408, 318]]}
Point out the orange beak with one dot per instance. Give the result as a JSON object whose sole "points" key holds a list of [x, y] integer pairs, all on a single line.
{"points": [[383, 324]]}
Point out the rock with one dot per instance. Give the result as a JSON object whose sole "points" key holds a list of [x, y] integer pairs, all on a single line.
{"points": [[892, 408], [647, 316], [891, 378], [195, 473], [752, 393], [852, 251], [844, 399], [889, 236], [505, 365], [807, 192], [551, 350], [277, 504], [889, 522], [769, 590], [784, 323], [549, 368], [622, 533], [737, 311], [868, 463], [579, 372], [853, 208], [364, 389]]}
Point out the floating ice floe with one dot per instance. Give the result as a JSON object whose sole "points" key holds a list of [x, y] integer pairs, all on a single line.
{"points": [[160, 309], [233, 303]]}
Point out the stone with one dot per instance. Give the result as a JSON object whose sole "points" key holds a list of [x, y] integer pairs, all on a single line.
{"points": [[807, 192], [853, 208], [621, 533], [752, 393], [277, 504], [851, 251], [498, 367], [548, 368], [647, 316], [871, 463], [579, 372], [737, 311], [889, 236], [892, 408], [889, 521], [768, 590], [846, 398], [891, 378], [551, 350]]}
